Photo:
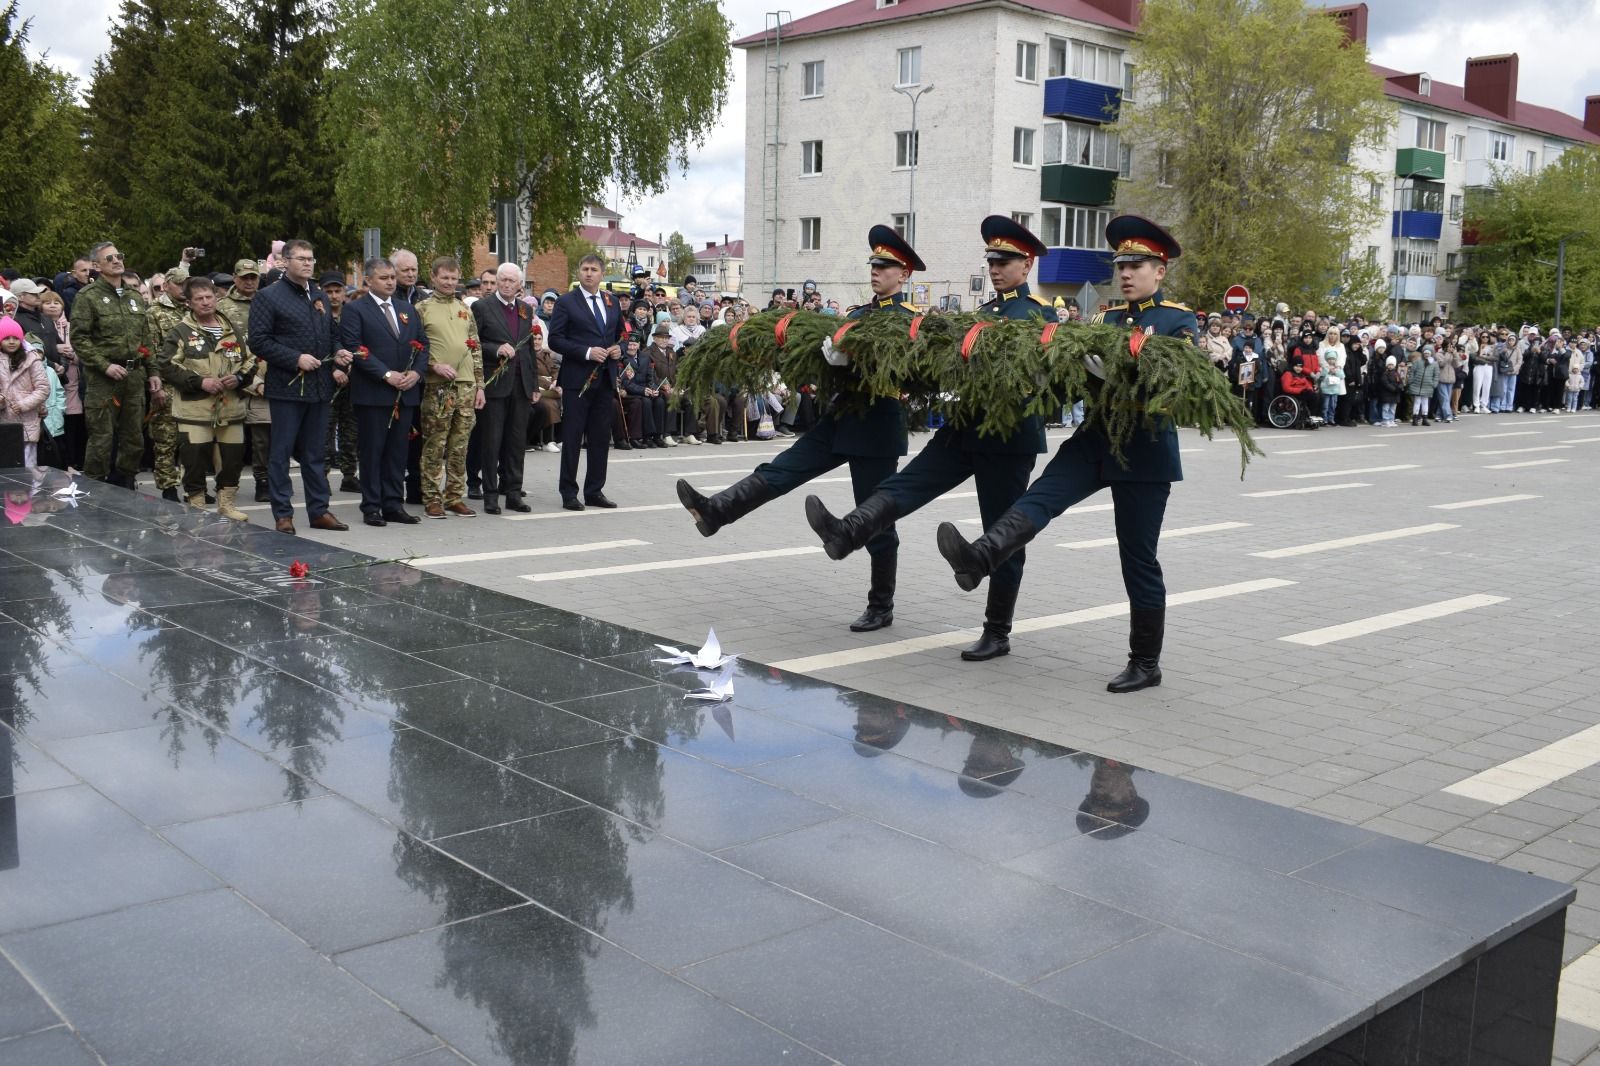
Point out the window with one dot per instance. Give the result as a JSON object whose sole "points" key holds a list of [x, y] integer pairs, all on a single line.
{"points": [[1164, 170], [810, 158], [494, 243], [1455, 207], [1124, 161], [1458, 147], [1084, 227], [910, 60], [1530, 163], [1416, 257], [1127, 83], [906, 226], [1083, 145], [1022, 146], [885, 3], [1027, 61], [906, 144], [1430, 134], [810, 234], [1423, 196], [1053, 151], [1375, 192], [1372, 253], [1050, 227], [1023, 219], [811, 79], [1451, 261], [1057, 59], [1424, 88], [1093, 63], [1500, 147]]}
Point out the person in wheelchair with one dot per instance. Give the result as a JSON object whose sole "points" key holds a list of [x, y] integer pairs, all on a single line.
{"points": [[1299, 387]]}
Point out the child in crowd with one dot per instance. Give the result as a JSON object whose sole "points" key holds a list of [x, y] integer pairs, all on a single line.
{"points": [[24, 388], [1574, 379], [1330, 382]]}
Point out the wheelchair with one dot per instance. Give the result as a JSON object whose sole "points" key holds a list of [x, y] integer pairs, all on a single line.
{"points": [[1287, 411]]}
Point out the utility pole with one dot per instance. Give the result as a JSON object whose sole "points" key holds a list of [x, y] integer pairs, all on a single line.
{"points": [[915, 154], [1561, 276]]}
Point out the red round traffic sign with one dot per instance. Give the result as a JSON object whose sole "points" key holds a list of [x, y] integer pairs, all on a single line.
{"points": [[1237, 298]]}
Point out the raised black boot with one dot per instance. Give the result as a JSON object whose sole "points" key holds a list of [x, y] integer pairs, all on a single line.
{"points": [[841, 536], [711, 513], [996, 638], [976, 560], [880, 597], [1145, 628]]}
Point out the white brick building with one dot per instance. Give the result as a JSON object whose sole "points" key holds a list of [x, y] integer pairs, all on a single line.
{"points": [[1017, 124]]}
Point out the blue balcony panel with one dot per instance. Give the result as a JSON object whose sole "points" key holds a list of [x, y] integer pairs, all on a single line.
{"points": [[1423, 225], [1086, 101], [1074, 266]]}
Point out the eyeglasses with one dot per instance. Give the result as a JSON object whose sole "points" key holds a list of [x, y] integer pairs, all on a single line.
{"points": [[303, 258], [108, 256]]}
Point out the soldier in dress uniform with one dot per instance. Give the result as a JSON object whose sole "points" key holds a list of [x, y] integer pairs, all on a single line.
{"points": [[871, 442], [999, 465], [1083, 465]]}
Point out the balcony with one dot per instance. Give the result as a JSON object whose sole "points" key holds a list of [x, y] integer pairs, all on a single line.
{"points": [[1085, 101], [1418, 288], [1074, 266], [1070, 184], [1419, 163], [1421, 225]]}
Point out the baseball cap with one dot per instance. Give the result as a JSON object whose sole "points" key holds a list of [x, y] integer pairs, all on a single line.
{"points": [[245, 268], [26, 287], [330, 277]]}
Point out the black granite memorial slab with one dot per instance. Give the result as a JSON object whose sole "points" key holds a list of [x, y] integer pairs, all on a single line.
{"points": [[368, 814]]}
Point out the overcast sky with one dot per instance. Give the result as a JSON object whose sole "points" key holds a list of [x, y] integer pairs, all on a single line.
{"points": [[1555, 39]]}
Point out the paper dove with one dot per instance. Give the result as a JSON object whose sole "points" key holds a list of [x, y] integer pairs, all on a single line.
{"points": [[709, 657], [70, 492], [719, 691]]}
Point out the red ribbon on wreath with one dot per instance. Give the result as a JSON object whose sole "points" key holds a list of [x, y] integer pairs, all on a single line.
{"points": [[1048, 332], [972, 337], [1135, 342], [839, 336], [916, 324], [781, 330], [733, 337]]}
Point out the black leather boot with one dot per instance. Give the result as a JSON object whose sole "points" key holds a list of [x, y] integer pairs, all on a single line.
{"points": [[491, 503], [996, 638], [170, 494], [711, 513], [880, 597], [841, 536], [1145, 629], [976, 560]]}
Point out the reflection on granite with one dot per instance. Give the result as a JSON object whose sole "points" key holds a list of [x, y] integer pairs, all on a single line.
{"points": [[225, 790]]}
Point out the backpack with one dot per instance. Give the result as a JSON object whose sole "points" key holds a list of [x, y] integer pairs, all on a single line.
{"points": [[1502, 362]]}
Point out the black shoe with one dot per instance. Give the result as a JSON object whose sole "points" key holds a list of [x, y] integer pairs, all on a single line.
{"points": [[402, 517], [491, 504], [172, 495], [623, 446], [638, 445], [374, 519], [514, 503], [601, 500], [995, 640], [262, 496], [711, 513], [713, 440], [351, 485], [210, 498], [571, 505], [1146, 627], [975, 561], [880, 596], [841, 536], [989, 646], [474, 494]]}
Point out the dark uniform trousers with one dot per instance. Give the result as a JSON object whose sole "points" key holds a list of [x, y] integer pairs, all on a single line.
{"points": [[381, 440], [299, 432], [814, 455]]}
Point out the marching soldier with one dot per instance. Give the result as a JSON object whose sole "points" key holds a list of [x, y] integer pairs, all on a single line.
{"points": [[452, 393], [166, 311], [1084, 465], [871, 443], [112, 335], [1000, 466]]}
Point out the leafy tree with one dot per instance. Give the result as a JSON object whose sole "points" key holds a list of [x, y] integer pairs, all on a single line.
{"points": [[1519, 221], [164, 134], [680, 258], [446, 106], [576, 247], [55, 208], [1263, 105]]}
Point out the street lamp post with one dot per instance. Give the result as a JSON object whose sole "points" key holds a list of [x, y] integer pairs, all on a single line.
{"points": [[915, 153], [1561, 270]]}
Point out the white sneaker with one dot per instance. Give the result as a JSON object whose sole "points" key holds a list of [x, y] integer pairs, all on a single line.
{"points": [[691, 439], [669, 442], [552, 447]]}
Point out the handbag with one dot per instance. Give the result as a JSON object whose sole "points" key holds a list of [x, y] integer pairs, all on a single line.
{"points": [[764, 427]]}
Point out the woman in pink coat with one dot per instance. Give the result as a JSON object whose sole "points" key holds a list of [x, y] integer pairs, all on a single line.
{"points": [[24, 387]]}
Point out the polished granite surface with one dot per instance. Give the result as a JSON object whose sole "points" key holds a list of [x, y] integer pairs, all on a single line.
{"points": [[376, 816]]}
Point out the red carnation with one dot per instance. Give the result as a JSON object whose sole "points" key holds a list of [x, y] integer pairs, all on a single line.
{"points": [[298, 569]]}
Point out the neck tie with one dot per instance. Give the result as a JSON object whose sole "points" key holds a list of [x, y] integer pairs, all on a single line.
{"points": [[388, 313], [599, 315]]}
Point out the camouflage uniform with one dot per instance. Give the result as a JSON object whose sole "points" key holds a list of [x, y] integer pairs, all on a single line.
{"points": [[165, 314], [447, 406], [258, 417], [341, 449], [111, 325]]}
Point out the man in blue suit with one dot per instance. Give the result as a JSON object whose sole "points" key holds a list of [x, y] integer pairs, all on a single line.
{"points": [[391, 357], [586, 334]]}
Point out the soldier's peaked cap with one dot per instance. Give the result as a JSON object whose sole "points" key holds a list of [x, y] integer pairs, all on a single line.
{"points": [[890, 249], [1004, 238], [1134, 238]]}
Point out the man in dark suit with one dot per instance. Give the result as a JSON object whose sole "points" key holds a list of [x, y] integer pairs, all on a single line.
{"points": [[391, 350], [586, 334], [510, 388]]}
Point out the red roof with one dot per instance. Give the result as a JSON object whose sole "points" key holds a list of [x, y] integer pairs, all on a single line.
{"points": [[1453, 98], [607, 237], [867, 12], [735, 250]]}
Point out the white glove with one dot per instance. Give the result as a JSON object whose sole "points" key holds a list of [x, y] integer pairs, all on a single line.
{"points": [[833, 356], [1096, 366]]}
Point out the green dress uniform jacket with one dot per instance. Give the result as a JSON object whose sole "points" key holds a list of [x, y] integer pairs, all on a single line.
{"points": [[1151, 452], [881, 430], [1028, 437]]}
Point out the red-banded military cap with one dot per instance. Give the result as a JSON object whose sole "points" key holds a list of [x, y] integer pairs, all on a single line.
{"points": [[1134, 238], [891, 249], [1004, 238]]}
